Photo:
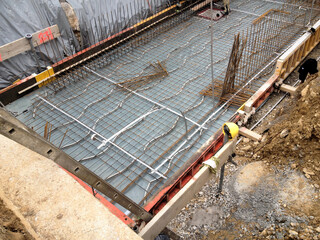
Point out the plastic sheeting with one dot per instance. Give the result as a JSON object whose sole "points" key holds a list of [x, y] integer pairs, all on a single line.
{"points": [[108, 17], [97, 18], [21, 17]]}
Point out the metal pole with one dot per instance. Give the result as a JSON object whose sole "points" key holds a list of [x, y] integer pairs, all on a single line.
{"points": [[28, 36], [211, 26]]}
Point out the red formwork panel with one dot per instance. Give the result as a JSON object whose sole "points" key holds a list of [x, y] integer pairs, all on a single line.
{"points": [[113, 209]]}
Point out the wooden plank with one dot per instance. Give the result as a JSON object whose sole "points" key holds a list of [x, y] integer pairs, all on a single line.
{"points": [[279, 67], [250, 134], [21, 45], [260, 94], [174, 206], [297, 52], [287, 88]]}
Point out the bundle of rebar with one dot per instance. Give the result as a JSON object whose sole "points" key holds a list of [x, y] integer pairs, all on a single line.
{"points": [[234, 60], [223, 90], [159, 70]]}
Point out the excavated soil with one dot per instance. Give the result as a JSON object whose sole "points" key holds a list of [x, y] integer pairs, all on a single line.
{"points": [[274, 191], [11, 227], [295, 141], [277, 189]]}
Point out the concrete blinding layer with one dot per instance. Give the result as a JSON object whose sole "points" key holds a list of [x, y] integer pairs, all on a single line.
{"points": [[138, 139]]}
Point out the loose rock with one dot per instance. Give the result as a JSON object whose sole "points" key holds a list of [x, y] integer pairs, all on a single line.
{"points": [[304, 91], [284, 133], [293, 233], [309, 172], [246, 148]]}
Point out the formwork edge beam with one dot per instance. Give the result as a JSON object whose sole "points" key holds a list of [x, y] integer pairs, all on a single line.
{"points": [[17, 131]]}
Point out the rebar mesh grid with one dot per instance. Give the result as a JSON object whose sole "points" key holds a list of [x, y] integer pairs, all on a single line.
{"points": [[136, 138], [267, 36]]}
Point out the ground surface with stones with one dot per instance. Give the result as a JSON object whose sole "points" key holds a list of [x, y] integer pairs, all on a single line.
{"points": [[273, 193]]}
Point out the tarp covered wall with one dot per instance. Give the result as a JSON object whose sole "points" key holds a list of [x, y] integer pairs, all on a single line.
{"points": [[98, 19], [21, 17], [108, 17]]}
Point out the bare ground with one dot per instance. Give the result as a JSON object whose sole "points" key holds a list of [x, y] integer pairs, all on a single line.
{"points": [[11, 227], [278, 188]]}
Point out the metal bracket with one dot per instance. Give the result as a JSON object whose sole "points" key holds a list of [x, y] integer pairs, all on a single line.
{"points": [[28, 36]]}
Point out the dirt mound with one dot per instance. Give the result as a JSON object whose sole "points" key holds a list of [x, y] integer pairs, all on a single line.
{"points": [[295, 141], [250, 176], [277, 189]]}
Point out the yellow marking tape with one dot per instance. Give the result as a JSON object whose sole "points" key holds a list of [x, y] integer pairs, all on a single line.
{"points": [[45, 74]]}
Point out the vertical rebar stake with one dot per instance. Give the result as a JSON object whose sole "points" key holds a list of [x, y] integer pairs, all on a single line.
{"points": [[28, 36], [186, 124], [211, 26], [93, 191]]}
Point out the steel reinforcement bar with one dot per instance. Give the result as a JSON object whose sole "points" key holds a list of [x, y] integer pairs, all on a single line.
{"points": [[286, 63], [25, 86], [304, 44]]}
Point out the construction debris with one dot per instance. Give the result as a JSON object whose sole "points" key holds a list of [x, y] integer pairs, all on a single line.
{"points": [[159, 70]]}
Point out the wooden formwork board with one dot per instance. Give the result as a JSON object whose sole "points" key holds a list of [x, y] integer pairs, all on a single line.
{"points": [[297, 52], [21, 45], [285, 65]]}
